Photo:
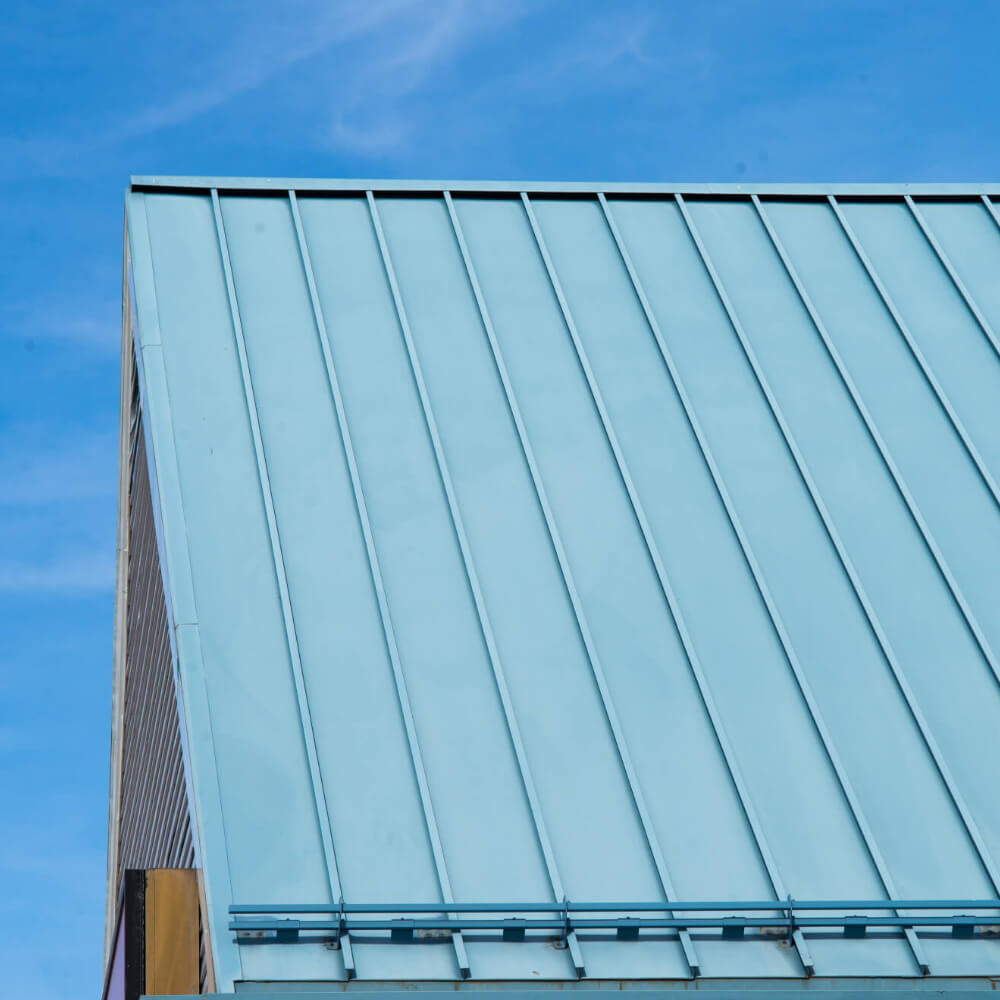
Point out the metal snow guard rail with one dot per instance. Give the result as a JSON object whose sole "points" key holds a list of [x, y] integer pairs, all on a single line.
{"points": [[731, 918]]}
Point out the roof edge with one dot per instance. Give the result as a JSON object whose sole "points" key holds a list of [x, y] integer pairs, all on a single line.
{"points": [[198, 740], [143, 182]]}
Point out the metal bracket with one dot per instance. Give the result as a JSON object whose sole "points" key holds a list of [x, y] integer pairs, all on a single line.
{"points": [[341, 929], [790, 906], [628, 930], [963, 929], [288, 931], [403, 933], [512, 932], [563, 940], [855, 928], [734, 928]]}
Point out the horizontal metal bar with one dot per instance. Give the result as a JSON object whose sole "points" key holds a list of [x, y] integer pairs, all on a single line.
{"points": [[281, 185], [603, 923], [719, 906]]}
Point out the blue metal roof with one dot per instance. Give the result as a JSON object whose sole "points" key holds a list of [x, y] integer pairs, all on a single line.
{"points": [[718, 989], [597, 544]]}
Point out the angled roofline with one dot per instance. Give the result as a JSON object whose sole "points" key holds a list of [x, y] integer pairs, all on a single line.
{"points": [[174, 544], [319, 185]]}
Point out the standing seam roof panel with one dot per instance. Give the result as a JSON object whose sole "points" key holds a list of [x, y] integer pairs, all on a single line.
{"points": [[635, 549]]}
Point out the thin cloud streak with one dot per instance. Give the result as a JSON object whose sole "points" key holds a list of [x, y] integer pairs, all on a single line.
{"points": [[385, 51], [380, 118], [259, 56], [254, 55]]}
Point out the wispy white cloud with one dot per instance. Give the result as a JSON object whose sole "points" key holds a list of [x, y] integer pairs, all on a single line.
{"points": [[379, 76], [370, 55], [371, 140], [541, 69], [257, 52], [259, 43], [375, 113]]}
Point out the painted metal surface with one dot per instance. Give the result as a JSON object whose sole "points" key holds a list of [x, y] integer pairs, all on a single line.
{"points": [[966, 989], [280, 185], [561, 922], [534, 542]]}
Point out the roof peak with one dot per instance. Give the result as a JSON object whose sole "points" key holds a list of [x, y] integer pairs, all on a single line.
{"points": [[386, 185]]}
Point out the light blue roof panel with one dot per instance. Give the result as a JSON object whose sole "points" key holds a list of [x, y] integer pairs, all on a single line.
{"points": [[588, 545]]}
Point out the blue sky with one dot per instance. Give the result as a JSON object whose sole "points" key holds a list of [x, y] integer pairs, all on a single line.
{"points": [[718, 90]]}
